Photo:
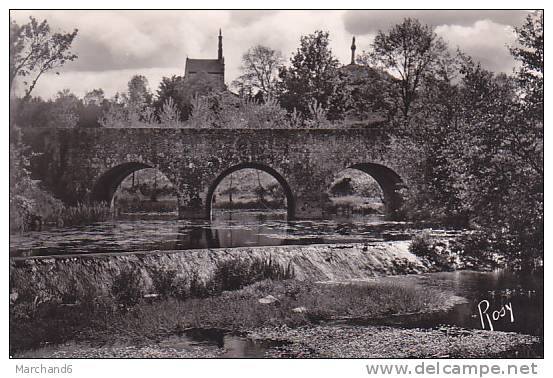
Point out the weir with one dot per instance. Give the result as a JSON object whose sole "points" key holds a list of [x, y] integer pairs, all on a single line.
{"points": [[73, 276]]}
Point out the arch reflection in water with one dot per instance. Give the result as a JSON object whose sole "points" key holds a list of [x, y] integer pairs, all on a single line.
{"points": [[165, 232], [248, 204]]}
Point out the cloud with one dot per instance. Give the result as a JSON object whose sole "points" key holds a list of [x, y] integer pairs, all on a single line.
{"points": [[370, 22], [114, 45], [114, 42], [483, 34], [112, 81], [248, 17], [485, 41], [110, 40]]}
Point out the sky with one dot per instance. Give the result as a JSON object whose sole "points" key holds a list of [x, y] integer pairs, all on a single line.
{"points": [[115, 45]]}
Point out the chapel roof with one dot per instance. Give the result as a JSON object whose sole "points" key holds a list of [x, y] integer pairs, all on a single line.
{"points": [[205, 65]]}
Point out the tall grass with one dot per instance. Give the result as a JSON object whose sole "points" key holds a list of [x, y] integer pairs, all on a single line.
{"points": [[82, 214], [33, 215], [231, 274], [235, 274]]}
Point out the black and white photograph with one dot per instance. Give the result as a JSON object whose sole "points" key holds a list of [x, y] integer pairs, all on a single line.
{"points": [[276, 184]]}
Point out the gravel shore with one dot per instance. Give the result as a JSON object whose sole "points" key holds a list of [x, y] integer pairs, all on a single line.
{"points": [[80, 350], [387, 342], [323, 341]]}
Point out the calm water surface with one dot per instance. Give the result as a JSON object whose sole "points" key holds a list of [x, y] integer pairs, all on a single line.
{"points": [[227, 229], [524, 292]]}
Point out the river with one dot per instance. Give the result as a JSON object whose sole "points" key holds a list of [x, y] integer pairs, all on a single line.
{"points": [[524, 293], [141, 232]]}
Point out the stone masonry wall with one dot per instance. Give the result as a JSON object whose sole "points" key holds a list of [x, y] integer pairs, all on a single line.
{"points": [[79, 165]]}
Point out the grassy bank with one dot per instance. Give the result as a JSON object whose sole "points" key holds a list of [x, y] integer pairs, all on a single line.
{"points": [[25, 215], [289, 303], [354, 204]]}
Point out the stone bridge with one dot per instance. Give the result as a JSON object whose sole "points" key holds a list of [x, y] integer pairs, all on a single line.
{"points": [[87, 165]]}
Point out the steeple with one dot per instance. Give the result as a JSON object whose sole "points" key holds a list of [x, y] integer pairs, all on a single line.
{"points": [[220, 53], [353, 51]]}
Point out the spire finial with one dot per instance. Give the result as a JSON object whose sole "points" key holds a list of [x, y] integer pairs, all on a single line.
{"points": [[353, 50], [220, 52]]}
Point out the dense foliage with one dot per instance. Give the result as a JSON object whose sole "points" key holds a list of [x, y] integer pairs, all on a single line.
{"points": [[482, 152]]}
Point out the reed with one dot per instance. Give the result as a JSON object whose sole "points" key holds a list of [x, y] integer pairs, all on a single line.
{"points": [[82, 214]]}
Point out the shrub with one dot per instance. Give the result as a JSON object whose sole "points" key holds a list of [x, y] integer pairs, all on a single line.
{"points": [[197, 288], [127, 287], [164, 281], [431, 249], [343, 187], [237, 273], [475, 249], [30, 206]]}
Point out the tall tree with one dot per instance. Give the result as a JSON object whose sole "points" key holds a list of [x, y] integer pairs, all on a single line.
{"points": [[499, 180], [529, 51], [410, 51], [64, 110], [171, 87], [260, 65], [182, 92], [139, 100], [312, 76], [92, 107], [94, 97], [138, 91], [34, 50]]}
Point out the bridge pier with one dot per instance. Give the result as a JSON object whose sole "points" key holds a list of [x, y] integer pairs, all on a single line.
{"points": [[192, 213], [88, 165], [190, 205], [311, 207]]}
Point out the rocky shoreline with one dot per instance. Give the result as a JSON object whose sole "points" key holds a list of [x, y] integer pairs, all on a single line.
{"points": [[324, 341]]}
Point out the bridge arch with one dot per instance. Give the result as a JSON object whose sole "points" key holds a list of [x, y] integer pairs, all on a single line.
{"points": [[106, 185], [290, 202], [390, 183]]}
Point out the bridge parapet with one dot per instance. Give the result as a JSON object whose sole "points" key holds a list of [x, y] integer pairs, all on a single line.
{"points": [[80, 165]]}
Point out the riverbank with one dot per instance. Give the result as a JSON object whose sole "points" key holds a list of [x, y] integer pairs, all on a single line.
{"points": [[287, 302], [140, 304], [317, 342], [270, 319], [326, 341]]}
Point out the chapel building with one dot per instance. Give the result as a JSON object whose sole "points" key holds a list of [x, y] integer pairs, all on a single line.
{"points": [[214, 68]]}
